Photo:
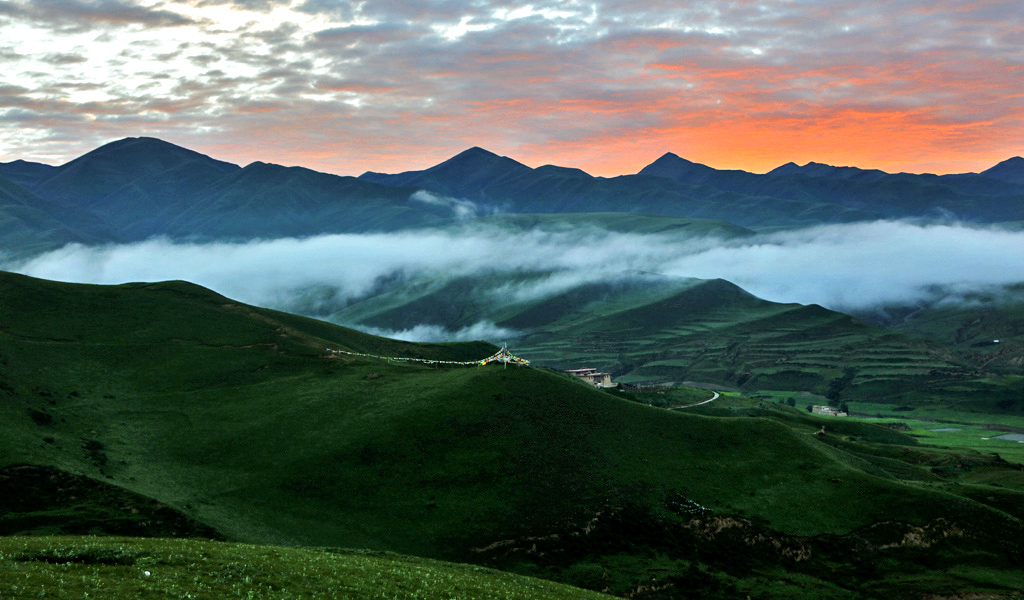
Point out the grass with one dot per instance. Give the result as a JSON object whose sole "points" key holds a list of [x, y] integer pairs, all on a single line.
{"points": [[947, 428], [61, 568], [237, 418]]}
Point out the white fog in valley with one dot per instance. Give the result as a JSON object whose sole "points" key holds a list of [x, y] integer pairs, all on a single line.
{"points": [[850, 267]]}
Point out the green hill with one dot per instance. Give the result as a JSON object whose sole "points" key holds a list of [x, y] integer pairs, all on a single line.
{"points": [[238, 419]]}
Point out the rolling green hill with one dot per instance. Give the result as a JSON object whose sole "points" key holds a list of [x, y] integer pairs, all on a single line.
{"points": [[237, 418]]}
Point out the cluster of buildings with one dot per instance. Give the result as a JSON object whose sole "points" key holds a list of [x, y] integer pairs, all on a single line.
{"points": [[828, 411], [596, 378]]}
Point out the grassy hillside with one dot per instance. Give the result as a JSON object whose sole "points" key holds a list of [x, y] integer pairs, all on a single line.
{"points": [[73, 568], [649, 329], [238, 419]]}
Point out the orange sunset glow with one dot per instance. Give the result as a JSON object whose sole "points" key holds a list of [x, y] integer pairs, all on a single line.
{"points": [[607, 87]]}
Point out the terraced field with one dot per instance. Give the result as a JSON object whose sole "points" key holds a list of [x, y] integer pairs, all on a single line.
{"points": [[709, 332]]}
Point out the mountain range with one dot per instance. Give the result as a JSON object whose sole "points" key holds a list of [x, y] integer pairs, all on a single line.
{"points": [[137, 188]]}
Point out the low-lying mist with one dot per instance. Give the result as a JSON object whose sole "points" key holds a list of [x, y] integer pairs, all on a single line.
{"points": [[849, 267]]}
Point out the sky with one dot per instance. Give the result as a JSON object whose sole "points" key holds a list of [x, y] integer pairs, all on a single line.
{"points": [[608, 86]]}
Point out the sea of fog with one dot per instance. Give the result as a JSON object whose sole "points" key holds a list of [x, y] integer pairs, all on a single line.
{"points": [[846, 267]]}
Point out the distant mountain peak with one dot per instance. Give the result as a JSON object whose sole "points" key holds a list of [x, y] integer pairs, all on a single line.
{"points": [[671, 158], [477, 157], [476, 151], [673, 166], [1010, 170], [140, 149], [817, 169]]}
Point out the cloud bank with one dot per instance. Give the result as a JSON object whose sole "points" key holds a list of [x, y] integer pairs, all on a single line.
{"points": [[853, 267]]}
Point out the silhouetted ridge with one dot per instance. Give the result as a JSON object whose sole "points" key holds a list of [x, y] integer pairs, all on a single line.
{"points": [[138, 162], [790, 168], [467, 169], [25, 173], [816, 169], [674, 167], [1010, 170]]}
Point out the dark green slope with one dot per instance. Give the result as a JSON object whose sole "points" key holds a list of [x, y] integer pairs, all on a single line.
{"points": [[239, 418], [71, 568]]}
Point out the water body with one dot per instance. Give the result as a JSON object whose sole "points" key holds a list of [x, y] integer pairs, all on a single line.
{"points": [[946, 429], [1011, 437]]}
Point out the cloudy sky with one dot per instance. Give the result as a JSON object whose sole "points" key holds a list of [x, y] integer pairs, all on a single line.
{"points": [[607, 86]]}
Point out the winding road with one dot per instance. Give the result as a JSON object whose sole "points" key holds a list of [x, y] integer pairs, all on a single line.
{"points": [[711, 399]]}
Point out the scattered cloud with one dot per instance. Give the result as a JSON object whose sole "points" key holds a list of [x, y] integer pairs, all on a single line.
{"points": [[607, 86], [484, 330], [80, 15], [460, 207], [852, 267]]}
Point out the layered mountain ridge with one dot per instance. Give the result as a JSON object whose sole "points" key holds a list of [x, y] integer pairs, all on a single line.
{"points": [[136, 188]]}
